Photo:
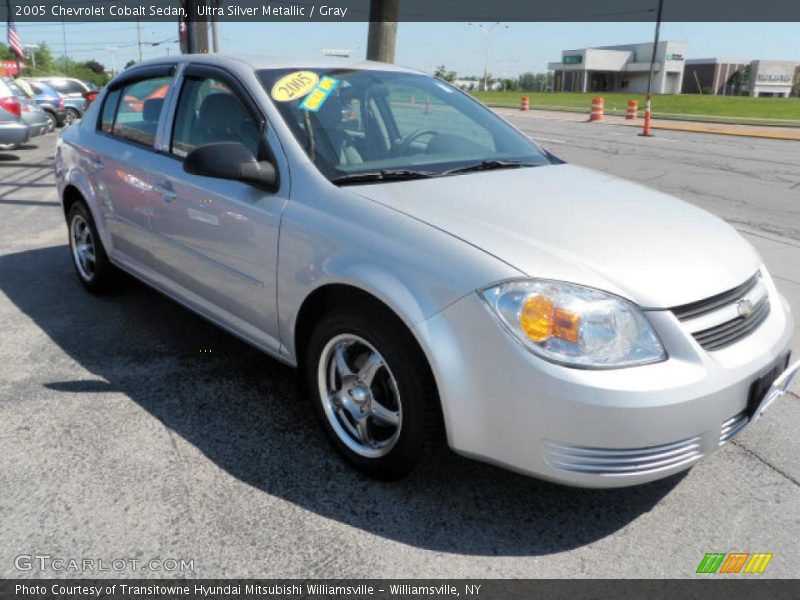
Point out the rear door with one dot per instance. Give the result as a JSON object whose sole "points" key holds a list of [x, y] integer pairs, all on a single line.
{"points": [[217, 240], [123, 161]]}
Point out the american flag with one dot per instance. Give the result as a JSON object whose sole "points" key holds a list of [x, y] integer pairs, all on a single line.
{"points": [[13, 37]]}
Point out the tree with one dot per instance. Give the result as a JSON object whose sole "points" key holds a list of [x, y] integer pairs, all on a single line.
{"points": [[442, 73], [95, 66], [527, 82], [6, 53]]}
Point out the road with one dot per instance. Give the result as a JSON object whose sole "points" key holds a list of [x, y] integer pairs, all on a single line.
{"points": [[129, 428]]}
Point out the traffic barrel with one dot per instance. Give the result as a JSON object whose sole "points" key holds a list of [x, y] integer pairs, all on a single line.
{"points": [[525, 103], [633, 108], [598, 107]]}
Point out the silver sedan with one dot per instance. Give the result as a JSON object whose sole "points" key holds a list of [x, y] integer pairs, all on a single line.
{"points": [[433, 273]]}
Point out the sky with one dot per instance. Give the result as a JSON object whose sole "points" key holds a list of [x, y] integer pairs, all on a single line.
{"points": [[515, 47]]}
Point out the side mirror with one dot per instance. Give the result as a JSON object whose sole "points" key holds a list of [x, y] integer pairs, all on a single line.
{"points": [[231, 160]]}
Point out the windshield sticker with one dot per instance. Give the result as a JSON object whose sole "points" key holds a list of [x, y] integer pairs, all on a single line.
{"points": [[294, 85], [319, 95]]}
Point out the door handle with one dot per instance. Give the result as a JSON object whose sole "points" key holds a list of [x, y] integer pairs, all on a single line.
{"points": [[168, 194]]}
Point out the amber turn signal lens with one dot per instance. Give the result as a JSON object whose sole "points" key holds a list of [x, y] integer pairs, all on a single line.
{"points": [[566, 325], [536, 318]]}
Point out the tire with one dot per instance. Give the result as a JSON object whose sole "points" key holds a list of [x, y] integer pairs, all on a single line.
{"points": [[383, 414], [71, 116], [51, 121], [89, 258]]}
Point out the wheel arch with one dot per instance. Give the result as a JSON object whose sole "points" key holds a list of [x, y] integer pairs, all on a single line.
{"points": [[327, 297]]}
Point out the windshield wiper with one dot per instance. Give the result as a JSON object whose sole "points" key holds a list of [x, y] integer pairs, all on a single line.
{"points": [[383, 175], [488, 165]]}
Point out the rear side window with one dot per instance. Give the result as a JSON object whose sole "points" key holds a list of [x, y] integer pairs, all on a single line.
{"points": [[109, 111], [138, 110]]}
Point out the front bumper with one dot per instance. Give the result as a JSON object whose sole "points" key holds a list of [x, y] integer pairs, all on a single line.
{"points": [[13, 133], [595, 428]]}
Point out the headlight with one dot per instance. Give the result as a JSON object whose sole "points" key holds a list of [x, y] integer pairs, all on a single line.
{"points": [[575, 325]]}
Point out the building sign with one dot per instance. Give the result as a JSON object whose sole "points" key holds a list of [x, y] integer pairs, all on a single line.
{"points": [[8, 67], [574, 59], [674, 56], [774, 77]]}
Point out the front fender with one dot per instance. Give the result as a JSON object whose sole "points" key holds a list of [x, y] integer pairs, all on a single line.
{"points": [[413, 268]]}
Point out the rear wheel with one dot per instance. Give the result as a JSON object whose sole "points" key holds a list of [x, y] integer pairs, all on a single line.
{"points": [[373, 391], [89, 258], [70, 116]]}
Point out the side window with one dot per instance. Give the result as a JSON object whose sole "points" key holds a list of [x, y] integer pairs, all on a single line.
{"points": [[109, 111], [139, 109], [208, 112]]}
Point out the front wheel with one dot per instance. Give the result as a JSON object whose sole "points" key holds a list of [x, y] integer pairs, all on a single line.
{"points": [[51, 121], [372, 390]]}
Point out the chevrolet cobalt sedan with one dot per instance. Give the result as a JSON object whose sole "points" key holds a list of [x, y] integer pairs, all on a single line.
{"points": [[432, 272]]}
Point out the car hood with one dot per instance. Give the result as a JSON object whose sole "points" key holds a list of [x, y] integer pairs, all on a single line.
{"points": [[569, 223]]}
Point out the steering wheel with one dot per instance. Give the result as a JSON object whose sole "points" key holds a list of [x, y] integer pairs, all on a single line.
{"points": [[404, 144]]}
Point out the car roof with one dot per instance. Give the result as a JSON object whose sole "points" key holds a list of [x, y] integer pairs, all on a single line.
{"points": [[266, 61]]}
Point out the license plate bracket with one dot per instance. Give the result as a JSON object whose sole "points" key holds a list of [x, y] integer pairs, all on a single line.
{"points": [[760, 387]]}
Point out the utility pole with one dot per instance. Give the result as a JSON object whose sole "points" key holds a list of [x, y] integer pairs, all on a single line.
{"points": [[215, 27], [64, 39], [139, 37], [196, 29], [382, 37], [646, 130], [488, 33]]}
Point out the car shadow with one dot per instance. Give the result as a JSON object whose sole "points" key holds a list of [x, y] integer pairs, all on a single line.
{"points": [[241, 410]]}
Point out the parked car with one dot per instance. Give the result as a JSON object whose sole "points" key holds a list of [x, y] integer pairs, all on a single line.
{"points": [[48, 100], [429, 268], [32, 114], [13, 131], [72, 91]]}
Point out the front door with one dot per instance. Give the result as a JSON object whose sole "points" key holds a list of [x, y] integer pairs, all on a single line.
{"points": [[216, 240]]}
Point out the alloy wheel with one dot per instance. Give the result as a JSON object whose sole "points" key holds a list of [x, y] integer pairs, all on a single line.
{"points": [[83, 250], [360, 395]]}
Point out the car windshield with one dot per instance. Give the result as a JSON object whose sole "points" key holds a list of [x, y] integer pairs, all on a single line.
{"points": [[372, 125]]}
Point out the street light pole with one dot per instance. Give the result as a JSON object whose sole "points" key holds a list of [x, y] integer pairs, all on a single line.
{"points": [[488, 33], [113, 49], [646, 130]]}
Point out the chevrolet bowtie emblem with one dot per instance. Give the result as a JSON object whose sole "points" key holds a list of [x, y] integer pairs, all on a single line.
{"points": [[745, 307]]}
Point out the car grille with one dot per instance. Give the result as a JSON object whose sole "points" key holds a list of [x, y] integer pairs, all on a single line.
{"points": [[605, 461], [732, 427], [716, 322]]}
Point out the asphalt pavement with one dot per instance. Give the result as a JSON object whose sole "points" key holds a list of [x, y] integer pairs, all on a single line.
{"points": [[132, 429]]}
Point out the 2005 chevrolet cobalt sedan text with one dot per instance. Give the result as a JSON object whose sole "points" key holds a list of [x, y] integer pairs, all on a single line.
{"points": [[430, 269]]}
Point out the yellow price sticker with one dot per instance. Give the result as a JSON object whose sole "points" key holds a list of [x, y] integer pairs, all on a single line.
{"points": [[294, 85]]}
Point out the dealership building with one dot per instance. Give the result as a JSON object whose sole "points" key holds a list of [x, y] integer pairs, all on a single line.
{"points": [[727, 77], [625, 68], [622, 68]]}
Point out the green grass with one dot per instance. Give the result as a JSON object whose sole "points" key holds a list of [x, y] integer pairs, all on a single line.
{"points": [[774, 111]]}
